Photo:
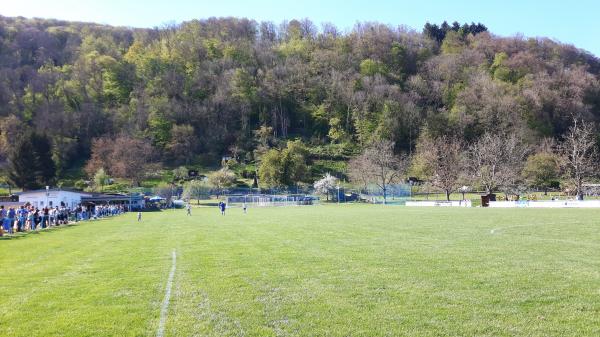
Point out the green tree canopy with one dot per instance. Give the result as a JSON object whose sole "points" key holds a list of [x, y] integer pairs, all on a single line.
{"points": [[542, 170], [286, 167]]}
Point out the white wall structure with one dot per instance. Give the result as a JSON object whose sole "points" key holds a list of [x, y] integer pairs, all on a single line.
{"points": [[546, 204], [459, 203], [52, 198]]}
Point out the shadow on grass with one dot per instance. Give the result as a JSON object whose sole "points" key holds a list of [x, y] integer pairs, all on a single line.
{"points": [[151, 210], [50, 230]]}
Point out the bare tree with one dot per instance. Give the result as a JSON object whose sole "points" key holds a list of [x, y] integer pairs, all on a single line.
{"points": [[497, 162], [360, 170], [122, 157], [440, 161], [578, 154], [386, 167], [131, 158]]}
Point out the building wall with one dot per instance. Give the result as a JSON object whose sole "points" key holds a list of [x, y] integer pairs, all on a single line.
{"points": [[53, 199]]}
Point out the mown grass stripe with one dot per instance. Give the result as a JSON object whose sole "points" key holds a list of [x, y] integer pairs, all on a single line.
{"points": [[165, 305]]}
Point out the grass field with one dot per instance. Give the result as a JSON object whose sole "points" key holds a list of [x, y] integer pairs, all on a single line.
{"points": [[348, 270]]}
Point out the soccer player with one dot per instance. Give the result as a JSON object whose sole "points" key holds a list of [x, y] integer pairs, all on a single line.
{"points": [[222, 206], [139, 216], [189, 209]]}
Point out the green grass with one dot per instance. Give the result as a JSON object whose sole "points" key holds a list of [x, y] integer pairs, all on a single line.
{"points": [[348, 270]]}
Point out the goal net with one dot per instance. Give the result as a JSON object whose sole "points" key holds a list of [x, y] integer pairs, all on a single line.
{"points": [[266, 200]]}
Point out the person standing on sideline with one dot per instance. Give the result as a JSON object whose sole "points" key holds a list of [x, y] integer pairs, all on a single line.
{"points": [[22, 214], [3, 219], [45, 217], [30, 224], [189, 209], [11, 218]]}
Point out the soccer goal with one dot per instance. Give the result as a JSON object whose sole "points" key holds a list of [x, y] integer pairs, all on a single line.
{"points": [[396, 194], [269, 200]]}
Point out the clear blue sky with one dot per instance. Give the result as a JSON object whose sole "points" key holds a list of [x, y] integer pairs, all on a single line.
{"points": [[576, 22]]}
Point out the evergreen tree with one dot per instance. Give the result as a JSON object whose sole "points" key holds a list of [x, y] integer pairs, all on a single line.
{"points": [[30, 163], [21, 168], [45, 169]]}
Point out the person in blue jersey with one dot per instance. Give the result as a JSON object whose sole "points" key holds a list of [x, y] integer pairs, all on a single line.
{"points": [[4, 219], [11, 218], [22, 217]]}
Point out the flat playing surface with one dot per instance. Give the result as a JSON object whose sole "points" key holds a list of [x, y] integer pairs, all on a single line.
{"points": [[309, 271]]}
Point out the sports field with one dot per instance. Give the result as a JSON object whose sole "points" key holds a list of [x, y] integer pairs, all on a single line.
{"points": [[343, 270]]}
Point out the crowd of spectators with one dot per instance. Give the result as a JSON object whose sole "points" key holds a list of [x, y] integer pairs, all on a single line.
{"points": [[29, 218]]}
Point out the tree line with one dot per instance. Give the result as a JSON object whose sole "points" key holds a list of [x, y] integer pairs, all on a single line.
{"points": [[196, 91], [493, 163]]}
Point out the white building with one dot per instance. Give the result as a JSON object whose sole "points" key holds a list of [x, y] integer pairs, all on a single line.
{"points": [[52, 197]]}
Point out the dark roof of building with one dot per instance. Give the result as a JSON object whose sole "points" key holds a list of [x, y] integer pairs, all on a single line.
{"points": [[110, 197], [54, 190]]}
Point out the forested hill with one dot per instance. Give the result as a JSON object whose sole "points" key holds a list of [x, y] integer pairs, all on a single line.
{"points": [[196, 90]]}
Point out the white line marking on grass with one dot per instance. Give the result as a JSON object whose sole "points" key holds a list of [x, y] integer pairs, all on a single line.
{"points": [[165, 305], [498, 229]]}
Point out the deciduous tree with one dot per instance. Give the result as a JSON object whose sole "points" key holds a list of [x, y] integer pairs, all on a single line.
{"points": [[579, 155], [326, 184], [101, 179], [386, 167], [542, 170], [496, 162], [221, 179], [440, 161], [286, 167]]}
